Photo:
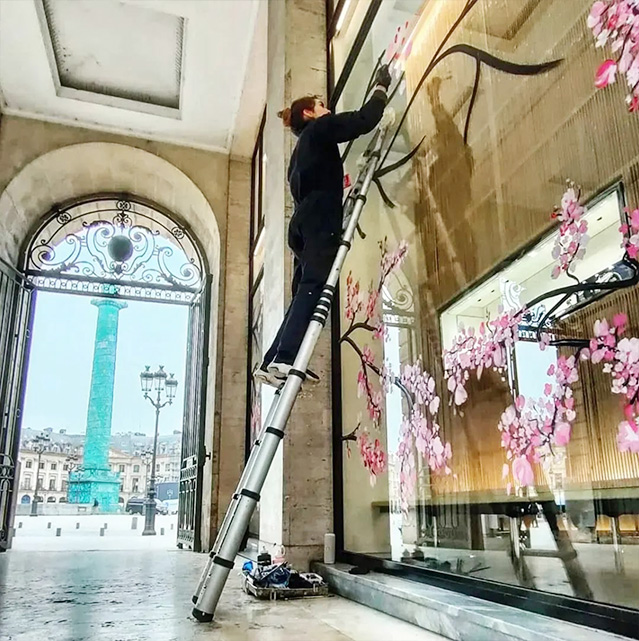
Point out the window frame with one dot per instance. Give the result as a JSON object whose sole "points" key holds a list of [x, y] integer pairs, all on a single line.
{"points": [[607, 617]]}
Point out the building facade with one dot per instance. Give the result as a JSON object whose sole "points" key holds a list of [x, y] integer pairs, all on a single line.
{"points": [[63, 456]]}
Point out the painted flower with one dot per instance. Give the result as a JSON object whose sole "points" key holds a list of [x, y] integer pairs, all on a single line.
{"points": [[616, 22], [628, 437], [522, 471], [631, 234], [571, 241], [606, 74]]}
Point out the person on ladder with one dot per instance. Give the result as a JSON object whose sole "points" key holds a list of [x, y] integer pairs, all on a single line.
{"points": [[316, 180]]}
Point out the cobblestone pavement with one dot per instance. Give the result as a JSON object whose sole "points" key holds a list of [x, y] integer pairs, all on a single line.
{"points": [[146, 596]]}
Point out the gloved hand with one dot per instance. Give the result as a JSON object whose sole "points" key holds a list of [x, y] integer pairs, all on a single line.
{"points": [[383, 77]]}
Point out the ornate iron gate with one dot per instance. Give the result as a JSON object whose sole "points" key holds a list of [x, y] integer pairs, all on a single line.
{"points": [[16, 303], [120, 246], [193, 449]]}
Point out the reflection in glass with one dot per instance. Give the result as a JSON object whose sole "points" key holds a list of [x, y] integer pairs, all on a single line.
{"points": [[502, 100]]}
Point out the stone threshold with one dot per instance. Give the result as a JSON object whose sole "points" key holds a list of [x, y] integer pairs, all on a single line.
{"points": [[451, 614]]}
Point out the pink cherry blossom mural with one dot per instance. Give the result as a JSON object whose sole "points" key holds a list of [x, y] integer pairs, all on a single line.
{"points": [[531, 428], [571, 240], [615, 23], [419, 431]]}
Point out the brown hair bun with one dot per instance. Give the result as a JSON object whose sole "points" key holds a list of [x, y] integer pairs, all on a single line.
{"points": [[285, 115]]}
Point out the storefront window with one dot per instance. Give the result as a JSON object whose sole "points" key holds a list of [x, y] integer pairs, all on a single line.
{"points": [[489, 337], [346, 21]]}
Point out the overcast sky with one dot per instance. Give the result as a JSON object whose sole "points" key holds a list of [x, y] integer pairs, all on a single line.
{"points": [[59, 374]]}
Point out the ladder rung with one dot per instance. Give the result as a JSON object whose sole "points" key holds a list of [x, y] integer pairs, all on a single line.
{"points": [[550, 554]]}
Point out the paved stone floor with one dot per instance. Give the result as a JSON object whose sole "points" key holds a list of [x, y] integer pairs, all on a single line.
{"points": [[146, 596]]}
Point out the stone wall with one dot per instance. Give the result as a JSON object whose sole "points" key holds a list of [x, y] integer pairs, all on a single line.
{"points": [[296, 508], [42, 163]]}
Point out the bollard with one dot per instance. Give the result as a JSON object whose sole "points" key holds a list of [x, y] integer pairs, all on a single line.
{"points": [[101, 531], [105, 526], [161, 531], [58, 531], [77, 526], [19, 524], [172, 525], [49, 525], [134, 523]]}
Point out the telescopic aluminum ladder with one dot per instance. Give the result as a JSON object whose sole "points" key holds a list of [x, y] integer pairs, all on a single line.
{"points": [[229, 539]]}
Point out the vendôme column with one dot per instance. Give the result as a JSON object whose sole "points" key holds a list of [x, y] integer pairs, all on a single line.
{"points": [[94, 481]]}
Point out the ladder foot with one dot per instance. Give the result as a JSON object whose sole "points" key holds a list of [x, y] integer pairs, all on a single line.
{"points": [[202, 617]]}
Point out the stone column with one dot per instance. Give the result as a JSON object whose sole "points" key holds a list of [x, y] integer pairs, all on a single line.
{"points": [[296, 507], [95, 480]]}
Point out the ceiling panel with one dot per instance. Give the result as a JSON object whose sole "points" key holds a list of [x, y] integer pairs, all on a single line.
{"points": [[170, 70], [113, 49]]}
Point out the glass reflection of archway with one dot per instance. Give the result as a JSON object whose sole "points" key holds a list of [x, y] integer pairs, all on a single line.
{"points": [[110, 245], [400, 348]]}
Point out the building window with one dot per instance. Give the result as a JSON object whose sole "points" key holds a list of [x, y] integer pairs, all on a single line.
{"points": [[41, 466], [256, 273], [29, 464], [474, 208], [257, 187], [26, 483], [51, 499], [54, 466], [65, 467], [121, 468], [40, 483], [52, 485], [65, 485], [136, 469]]}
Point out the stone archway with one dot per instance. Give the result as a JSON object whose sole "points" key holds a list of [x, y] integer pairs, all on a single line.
{"points": [[74, 171]]}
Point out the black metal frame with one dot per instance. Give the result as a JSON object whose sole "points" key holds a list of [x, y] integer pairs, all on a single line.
{"points": [[254, 280], [256, 230], [613, 186], [335, 92], [106, 277], [198, 298], [17, 312], [193, 455], [594, 614]]}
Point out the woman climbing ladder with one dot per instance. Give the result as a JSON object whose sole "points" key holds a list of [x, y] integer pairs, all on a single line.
{"points": [[316, 178]]}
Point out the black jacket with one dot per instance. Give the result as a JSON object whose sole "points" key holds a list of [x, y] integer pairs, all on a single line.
{"points": [[316, 165]]}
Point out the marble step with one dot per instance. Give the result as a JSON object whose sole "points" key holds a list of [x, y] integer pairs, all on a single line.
{"points": [[451, 614]]}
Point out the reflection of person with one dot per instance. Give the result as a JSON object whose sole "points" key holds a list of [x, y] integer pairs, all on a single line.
{"points": [[449, 181], [316, 177]]}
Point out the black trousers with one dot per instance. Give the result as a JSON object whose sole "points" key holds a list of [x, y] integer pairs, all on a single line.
{"points": [[313, 234]]}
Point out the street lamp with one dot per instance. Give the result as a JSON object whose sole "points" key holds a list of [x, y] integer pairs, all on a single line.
{"points": [[41, 442], [166, 385]]}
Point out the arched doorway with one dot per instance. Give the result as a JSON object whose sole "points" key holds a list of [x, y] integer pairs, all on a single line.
{"points": [[124, 247]]}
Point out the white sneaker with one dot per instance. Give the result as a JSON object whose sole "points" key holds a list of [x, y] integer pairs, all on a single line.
{"points": [[263, 376], [280, 372]]}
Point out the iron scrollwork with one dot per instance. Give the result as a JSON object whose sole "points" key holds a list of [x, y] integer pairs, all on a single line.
{"points": [[126, 246]]}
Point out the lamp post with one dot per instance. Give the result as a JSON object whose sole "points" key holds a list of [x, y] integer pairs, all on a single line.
{"points": [[166, 385], [41, 442], [72, 462], [146, 457]]}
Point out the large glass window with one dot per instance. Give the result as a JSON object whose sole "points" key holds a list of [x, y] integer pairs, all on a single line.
{"points": [[487, 427]]}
